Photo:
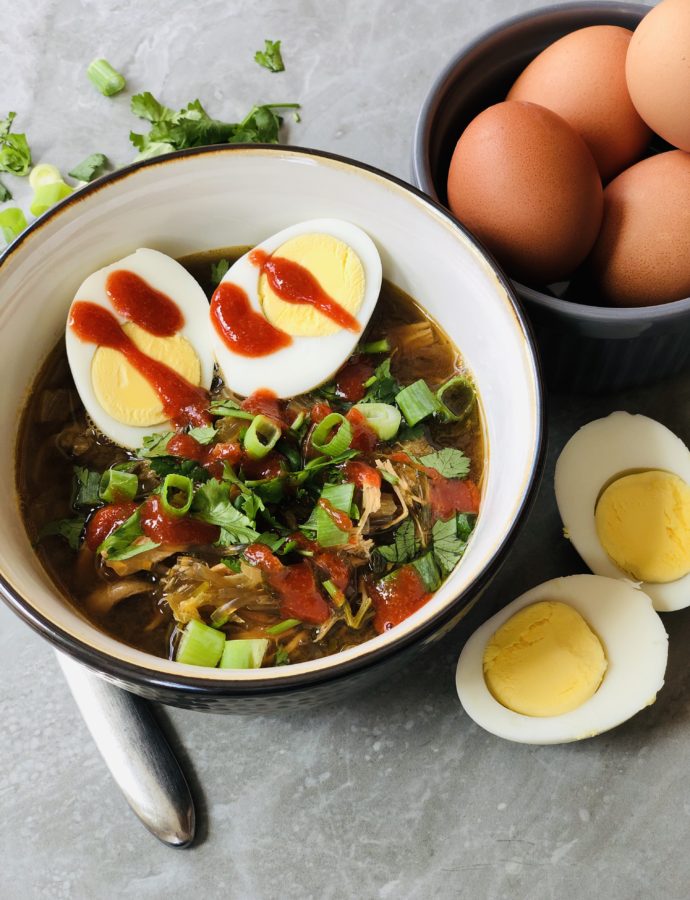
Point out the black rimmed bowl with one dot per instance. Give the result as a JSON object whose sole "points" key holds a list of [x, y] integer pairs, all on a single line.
{"points": [[584, 346], [219, 197]]}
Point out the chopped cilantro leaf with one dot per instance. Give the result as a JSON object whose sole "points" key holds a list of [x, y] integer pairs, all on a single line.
{"points": [[70, 529], [90, 168], [5, 194], [406, 544], [212, 504], [173, 465], [232, 562], [15, 155], [282, 657], [270, 57], [449, 462], [382, 387], [155, 445], [219, 270], [204, 434], [127, 540], [85, 491], [448, 544], [273, 541]]}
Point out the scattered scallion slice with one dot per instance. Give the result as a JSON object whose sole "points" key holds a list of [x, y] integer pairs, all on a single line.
{"points": [[116, 486], [281, 627], [382, 346], [104, 78], [382, 417], [299, 421], [47, 195], [12, 223], [328, 534], [456, 398], [339, 442], [261, 437], [44, 173], [416, 402], [428, 571], [243, 654], [200, 645], [177, 493]]}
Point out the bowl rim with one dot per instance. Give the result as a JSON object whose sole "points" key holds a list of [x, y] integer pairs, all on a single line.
{"points": [[130, 674], [421, 168]]}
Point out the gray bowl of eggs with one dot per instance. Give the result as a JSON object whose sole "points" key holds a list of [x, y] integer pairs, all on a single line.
{"points": [[560, 139]]}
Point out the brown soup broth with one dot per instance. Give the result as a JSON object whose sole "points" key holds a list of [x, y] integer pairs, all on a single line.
{"points": [[55, 435]]}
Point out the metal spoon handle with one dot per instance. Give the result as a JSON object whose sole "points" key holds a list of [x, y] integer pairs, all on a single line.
{"points": [[136, 752]]}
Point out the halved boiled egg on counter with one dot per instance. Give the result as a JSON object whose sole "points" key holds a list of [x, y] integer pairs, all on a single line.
{"points": [[567, 660], [623, 492], [290, 312], [138, 346]]}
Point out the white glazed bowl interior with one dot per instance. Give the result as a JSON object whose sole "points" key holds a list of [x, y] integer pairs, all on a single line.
{"points": [[220, 198]]}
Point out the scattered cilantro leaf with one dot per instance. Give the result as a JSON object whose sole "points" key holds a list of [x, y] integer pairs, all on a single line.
{"points": [[448, 545], [449, 462], [405, 547], [251, 505], [383, 388], [270, 57], [90, 168], [212, 504], [273, 541], [282, 657], [409, 432], [85, 490], [70, 529], [145, 106], [155, 445], [219, 270], [175, 465], [204, 434], [5, 194], [233, 563], [127, 540], [465, 525], [15, 155]]}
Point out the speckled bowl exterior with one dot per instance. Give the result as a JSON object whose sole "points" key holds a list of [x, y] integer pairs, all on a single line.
{"points": [[224, 196], [584, 347]]}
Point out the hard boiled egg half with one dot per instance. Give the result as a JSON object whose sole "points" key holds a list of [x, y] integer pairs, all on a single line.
{"points": [[290, 312], [623, 492], [567, 660], [163, 311]]}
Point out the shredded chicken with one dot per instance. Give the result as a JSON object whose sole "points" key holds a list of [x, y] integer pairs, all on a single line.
{"points": [[371, 502], [400, 487], [101, 600]]}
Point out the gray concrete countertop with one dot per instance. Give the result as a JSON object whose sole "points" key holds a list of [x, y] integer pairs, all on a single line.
{"points": [[398, 794]]}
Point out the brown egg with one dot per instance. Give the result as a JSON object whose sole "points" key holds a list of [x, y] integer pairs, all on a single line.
{"points": [[525, 183], [658, 71], [582, 78], [642, 255]]}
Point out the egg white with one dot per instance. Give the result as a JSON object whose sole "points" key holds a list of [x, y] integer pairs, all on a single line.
{"points": [[596, 455], [636, 647], [308, 361], [166, 275]]}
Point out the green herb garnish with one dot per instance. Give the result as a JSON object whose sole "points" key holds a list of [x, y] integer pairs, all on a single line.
{"points": [[15, 155], [219, 271], [405, 547], [126, 540], [270, 57], [86, 489], [382, 386], [448, 543], [449, 462], [70, 529], [212, 504], [204, 434], [5, 194], [89, 168], [155, 445]]}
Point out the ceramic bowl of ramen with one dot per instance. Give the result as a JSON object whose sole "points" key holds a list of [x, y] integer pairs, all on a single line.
{"points": [[325, 491]]}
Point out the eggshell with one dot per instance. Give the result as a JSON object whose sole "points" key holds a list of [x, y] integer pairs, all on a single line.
{"points": [[642, 254], [658, 71], [582, 78], [525, 183]]}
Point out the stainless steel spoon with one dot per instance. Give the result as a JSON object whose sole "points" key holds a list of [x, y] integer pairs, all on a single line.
{"points": [[136, 752]]}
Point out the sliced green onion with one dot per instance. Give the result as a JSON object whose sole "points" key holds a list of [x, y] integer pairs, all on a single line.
{"points": [[456, 398], [299, 421], [174, 484], [428, 571], [370, 381], [334, 593], [416, 402], [286, 625], [244, 654], [340, 497], [104, 78], [117, 486], [340, 440], [261, 437], [12, 223], [382, 346], [200, 645], [47, 195], [44, 173], [383, 418]]}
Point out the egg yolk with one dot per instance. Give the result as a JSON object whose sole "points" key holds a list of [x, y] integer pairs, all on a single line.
{"points": [[643, 523], [125, 394], [338, 270], [544, 661]]}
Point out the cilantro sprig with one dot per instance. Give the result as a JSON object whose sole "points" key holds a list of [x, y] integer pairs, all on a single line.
{"points": [[15, 154], [270, 57]]}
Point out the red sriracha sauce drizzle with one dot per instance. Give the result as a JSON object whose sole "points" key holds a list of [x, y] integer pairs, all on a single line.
{"points": [[183, 403], [397, 597], [135, 300], [165, 529], [295, 586], [242, 329], [294, 283]]}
